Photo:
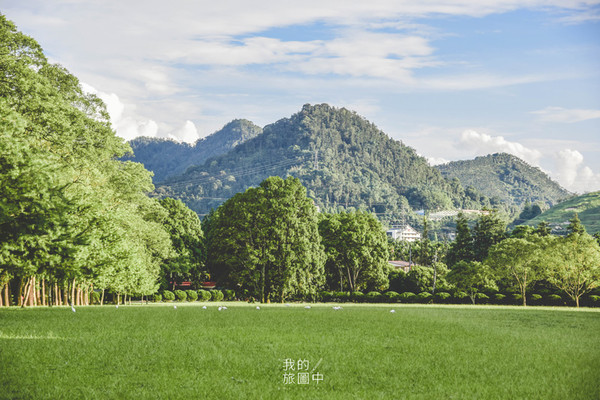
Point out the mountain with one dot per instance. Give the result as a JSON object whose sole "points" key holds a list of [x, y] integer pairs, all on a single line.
{"points": [[507, 179], [586, 206], [167, 158], [341, 158]]}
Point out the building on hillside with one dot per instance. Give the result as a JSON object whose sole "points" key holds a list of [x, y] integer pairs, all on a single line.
{"points": [[405, 232]]}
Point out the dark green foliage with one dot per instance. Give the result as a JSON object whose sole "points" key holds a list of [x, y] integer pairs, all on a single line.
{"points": [[424, 297], [442, 297], [358, 166], [168, 295], [180, 295], [356, 249], [391, 297], [266, 241], [407, 297], [489, 230], [461, 297], [340, 297], [167, 158], [462, 247], [229, 294], [575, 227], [499, 298], [507, 178], [325, 296], [94, 298], [192, 295], [357, 297], [535, 298], [373, 297], [204, 295], [157, 297], [554, 300], [586, 206], [216, 295]]}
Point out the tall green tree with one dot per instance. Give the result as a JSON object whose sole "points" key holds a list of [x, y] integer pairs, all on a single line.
{"points": [[266, 241], [462, 247], [471, 277], [357, 252], [519, 261], [489, 230], [574, 264]]}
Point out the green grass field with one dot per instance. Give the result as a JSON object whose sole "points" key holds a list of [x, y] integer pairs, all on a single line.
{"points": [[362, 352]]}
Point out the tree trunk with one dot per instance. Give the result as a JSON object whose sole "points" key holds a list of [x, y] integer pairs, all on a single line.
{"points": [[73, 287], [1, 302], [25, 296], [577, 301], [6, 294], [44, 292], [102, 298], [65, 294]]}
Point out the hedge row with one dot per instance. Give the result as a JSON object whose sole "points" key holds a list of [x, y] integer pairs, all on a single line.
{"points": [[193, 295], [453, 298]]}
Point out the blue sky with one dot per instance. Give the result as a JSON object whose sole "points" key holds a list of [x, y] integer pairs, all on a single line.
{"points": [[452, 78]]}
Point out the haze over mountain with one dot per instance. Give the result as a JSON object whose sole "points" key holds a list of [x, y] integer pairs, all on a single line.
{"points": [[506, 178], [341, 158], [168, 158]]}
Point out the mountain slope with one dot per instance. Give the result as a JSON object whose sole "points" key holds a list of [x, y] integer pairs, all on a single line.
{"points": [[340, 157], [586, 206], [167, 158], [507, 178]]}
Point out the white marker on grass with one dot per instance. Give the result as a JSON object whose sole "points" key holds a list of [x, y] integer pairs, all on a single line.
{"points": [[72, 308]]}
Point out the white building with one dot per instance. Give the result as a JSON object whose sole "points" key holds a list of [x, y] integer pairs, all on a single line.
{"points": [[406, 232]]}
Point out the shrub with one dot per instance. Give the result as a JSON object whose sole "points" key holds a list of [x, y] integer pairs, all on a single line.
{"points": [[229, 294], [157, 297], [180, 295], [325, 296], [554, 300], [535, 298], [481, 298], [442, 297], [498, 298], [592, 301], [373, 297], [461, 297], [357, 297], [407, 297], [192, 295], [424, 297], [94, 298], [340, 296], [516, 298], [392, 297], [216, 295], [204, 295], [168, 295]]}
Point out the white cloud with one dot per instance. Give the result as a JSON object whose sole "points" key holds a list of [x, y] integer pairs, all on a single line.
{"points": [[572, 174], [187, 133], [436, 160], [483, 144], [559, 114]]}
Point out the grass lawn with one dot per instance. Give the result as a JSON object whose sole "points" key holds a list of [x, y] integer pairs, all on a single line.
{"points": [[361, 352]]}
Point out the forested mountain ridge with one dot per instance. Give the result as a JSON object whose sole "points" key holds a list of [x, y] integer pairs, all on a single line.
{"points": [[507, 178], [341, 158], [167, 158]]}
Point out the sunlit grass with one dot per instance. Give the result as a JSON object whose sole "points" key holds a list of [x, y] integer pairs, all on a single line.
{"points": [[156, 351]]}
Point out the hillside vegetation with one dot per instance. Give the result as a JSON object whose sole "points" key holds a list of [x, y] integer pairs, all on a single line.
{"points": [[341, 158], [506, 178], [167, 158], [586, 206]]}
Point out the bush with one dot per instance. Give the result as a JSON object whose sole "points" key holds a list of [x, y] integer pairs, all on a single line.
{"points": [[357, 297], [156, 297], [391, 296], [324, 296], [180, 295], [229, 294], [94, 298], [168, 295], [461, 297], [535, 298], [407, 297], [192, 295], [516, 298], [373, 297], [204, 295], [442, 297], [340, 297], [554, 300], [498, 298], [481, 298], [216, 295], [424, 297]]}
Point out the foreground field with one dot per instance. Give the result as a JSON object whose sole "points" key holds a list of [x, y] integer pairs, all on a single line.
{"points": [[360, 351]]}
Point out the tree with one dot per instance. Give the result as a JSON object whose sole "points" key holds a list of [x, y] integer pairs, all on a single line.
{"points": [[488, 231], [356, 248], [575, 227], [471, 277], [574, 265], [183, 225], [518, 260], [266, 241], [543, 229], [462, 247]]}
